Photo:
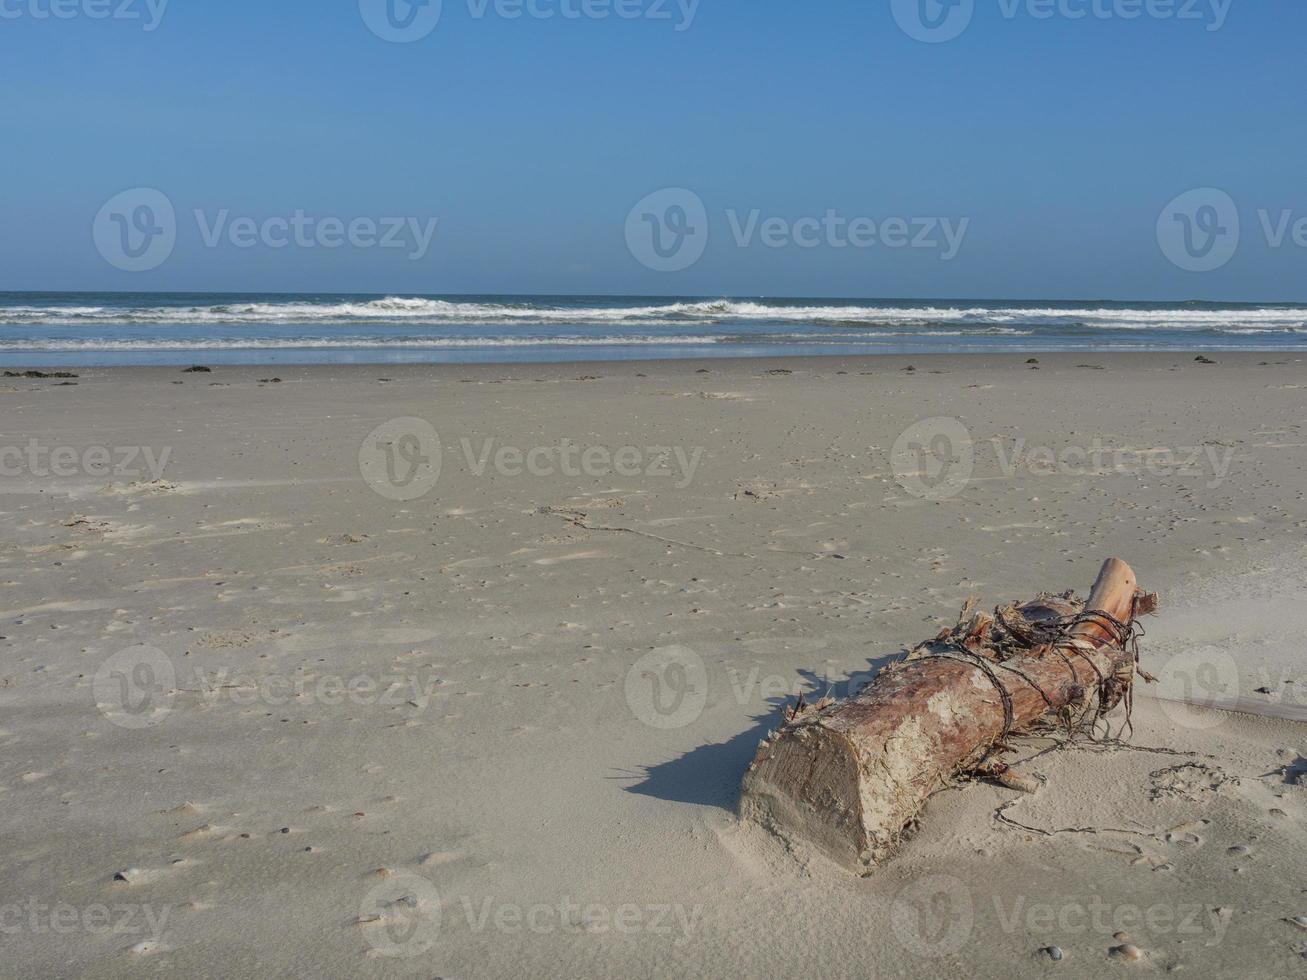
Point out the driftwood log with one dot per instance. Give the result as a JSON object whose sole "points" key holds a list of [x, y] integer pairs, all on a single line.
{"points": [[852, 777]]}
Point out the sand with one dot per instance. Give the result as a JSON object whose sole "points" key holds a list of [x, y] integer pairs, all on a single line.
{"points": [[277, 698]]}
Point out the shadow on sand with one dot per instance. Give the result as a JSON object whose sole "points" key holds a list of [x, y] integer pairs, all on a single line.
{"points": [[710, 774]]}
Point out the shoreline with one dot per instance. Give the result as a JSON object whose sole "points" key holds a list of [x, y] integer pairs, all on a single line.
{"points": [[1054, 358]]}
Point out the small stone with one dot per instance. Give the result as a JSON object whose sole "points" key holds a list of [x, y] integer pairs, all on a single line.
{"points": [[1054, 953], [1121, 937], [1239, 850], [1298, 920]]}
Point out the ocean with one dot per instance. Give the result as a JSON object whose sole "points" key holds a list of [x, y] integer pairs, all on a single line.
{"points": [[175, 328]]}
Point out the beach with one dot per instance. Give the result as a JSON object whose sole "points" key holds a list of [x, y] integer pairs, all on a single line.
{"points": [[363, 670]]}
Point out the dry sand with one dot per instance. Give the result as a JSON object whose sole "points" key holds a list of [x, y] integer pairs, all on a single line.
{"points": [[261, 717]]}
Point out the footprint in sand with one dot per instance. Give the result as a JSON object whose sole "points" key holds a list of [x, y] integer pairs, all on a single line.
{"points": [[575, 556], [437, 858]]}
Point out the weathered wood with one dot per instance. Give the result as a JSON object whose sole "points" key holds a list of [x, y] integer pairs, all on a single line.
{"points": [[851, 777]]}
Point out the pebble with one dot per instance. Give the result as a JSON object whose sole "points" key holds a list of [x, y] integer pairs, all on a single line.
{"points": [[1239, 850], [1298, 920], [1054, 953], [1128, 952]]}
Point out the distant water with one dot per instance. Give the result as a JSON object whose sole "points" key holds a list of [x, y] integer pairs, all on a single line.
{"points": [[170, 328]]}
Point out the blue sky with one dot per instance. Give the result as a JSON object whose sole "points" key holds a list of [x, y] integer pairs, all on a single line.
{"points": [[1059, 140]]}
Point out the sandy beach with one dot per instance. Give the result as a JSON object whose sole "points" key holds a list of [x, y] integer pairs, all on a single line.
{"points": [[418, 671]]}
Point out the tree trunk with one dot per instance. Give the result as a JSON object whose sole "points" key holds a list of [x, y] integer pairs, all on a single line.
{"points": [[852, 777]]}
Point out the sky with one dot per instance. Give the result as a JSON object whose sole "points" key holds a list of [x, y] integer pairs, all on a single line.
{"points": [[1019, 149]]}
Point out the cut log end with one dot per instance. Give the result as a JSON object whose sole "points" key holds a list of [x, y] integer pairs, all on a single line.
{"points": [[807, 787], [852, 778]]}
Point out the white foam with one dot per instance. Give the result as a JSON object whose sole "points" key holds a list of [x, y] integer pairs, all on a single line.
{"points": [[399, 309]]}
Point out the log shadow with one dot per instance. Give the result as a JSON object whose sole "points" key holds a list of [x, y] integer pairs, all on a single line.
{"points": [[709, 775]]}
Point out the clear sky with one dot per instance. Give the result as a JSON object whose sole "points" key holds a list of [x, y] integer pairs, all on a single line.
{"points": [[1059, 139]]}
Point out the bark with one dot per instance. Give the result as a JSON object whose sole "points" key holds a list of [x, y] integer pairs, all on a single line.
{"points": [[852, 777]]}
